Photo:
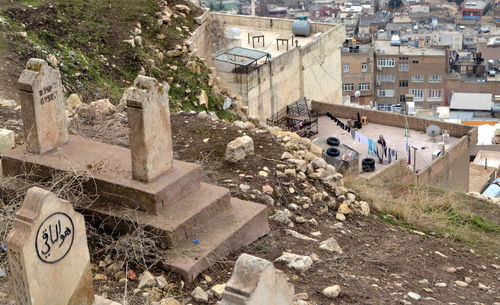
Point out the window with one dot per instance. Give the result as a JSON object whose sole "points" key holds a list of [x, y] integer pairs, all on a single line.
{"points": [[404, 66], [417, 78], [418, 94], [403, 58], [435, 78], [364, 86], [364, 67], [385, 93], [386, 78], [403, 83], [415, 61], [435, 95], [402, 98], [345, 67], [348, 87], [384, 107], [385, 62]]}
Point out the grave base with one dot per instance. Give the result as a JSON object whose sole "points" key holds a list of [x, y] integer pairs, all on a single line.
{"points": [[109, 167]]}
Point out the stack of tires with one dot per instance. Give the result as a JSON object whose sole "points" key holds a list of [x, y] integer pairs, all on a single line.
{"points": [[368, 165], [332, 153]]}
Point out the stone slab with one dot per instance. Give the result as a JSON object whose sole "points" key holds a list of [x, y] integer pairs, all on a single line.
{"points": [[7, 140], [48, 253], [150, 132], [255, 281], [43, 107], [110, 167], [240, 225], [177, 223]]}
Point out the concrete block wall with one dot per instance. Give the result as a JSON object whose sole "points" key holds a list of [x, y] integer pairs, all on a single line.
{"points": [[201, 40], [450, 170], [396, 171]]}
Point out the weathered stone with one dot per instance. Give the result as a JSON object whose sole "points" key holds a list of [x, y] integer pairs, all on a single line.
{"points": [[43, 109], [194, 67], [331, 292], [146, 279], [239, 148], [283, 216], [301, 165], [316, 150], [98, 110], [299, 236], [318, 163], [203, 99], [199, 295], [150, 131], [161, 282], [182, 8], [72, 102], [174, 53], [169, 301], [256, 281], [298, 262], [218, 290], [331, 245], [7, 140], [286, 155], [344, 209], [48, 254]]}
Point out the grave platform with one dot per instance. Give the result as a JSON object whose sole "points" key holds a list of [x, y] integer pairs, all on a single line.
{"points": [[110, 169], [176, 207]]}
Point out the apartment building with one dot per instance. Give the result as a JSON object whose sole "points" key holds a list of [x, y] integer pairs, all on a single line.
{"points": [[405, 69], [358, 72]]}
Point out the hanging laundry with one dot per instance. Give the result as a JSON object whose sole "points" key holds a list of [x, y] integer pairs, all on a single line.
{"points": [[372, 147], [393, 155], [353, 134]]}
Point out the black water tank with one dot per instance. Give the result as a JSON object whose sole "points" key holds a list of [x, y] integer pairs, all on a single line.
{"points": [[332, 141], [368, 165]]}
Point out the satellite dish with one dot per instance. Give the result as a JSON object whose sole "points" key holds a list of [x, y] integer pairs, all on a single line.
{"points": [[433, 131], [357, 94]]}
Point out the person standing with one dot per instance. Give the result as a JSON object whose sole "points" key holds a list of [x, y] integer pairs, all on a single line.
{"points": [[381, 149]]}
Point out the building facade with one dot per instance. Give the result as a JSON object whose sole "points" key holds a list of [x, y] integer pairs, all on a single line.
{"points": [[358, 73], [405, 70]]}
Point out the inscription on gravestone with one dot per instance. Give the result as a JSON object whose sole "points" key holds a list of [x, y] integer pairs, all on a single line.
{"points": [[43, 108], [48, 254], [54, 238]]}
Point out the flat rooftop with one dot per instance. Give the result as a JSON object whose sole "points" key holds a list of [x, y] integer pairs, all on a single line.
{"points": [[394, 137], [270, 39], [383, 47]]}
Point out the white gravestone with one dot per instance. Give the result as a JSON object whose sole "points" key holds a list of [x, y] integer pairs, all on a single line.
{"points": [[43, 108], [255, 281], [150, 131], [48, 254]]}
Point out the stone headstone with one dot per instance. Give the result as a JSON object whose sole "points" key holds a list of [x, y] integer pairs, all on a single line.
{"points": [[43, 107], [150, 132], [255, 281], [48, 254]]}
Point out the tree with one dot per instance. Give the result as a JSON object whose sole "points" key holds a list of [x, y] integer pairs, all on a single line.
{"points": [[393, 4]]}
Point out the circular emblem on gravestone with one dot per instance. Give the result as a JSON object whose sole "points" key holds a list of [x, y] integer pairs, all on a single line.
{"points": [[54, 238]]}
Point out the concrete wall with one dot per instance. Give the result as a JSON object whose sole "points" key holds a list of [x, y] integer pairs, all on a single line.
{"points": [[201, 41], [313, 71], [450, 170], [395, 172]]}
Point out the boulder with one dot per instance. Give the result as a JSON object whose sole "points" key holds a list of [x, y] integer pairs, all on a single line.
{"points": [[332, 292], [100, 109], [72, 103], [300, 263], [182, 8], [318, 163], [239, 148], [174, 53], [199, 295], [331, 245]]}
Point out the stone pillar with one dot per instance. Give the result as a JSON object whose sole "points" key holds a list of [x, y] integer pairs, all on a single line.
{"points": [[150, 132], [255, 281], [43, 108], [48, 254]]}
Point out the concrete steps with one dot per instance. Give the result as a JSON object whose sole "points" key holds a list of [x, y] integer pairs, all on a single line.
{"points": [[236, 227]]}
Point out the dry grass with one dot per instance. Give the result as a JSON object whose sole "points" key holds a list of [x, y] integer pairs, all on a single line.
{"points": [[435, 211]]}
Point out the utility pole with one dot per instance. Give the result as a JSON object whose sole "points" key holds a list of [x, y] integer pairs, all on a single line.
{"points": [[253, 7]]}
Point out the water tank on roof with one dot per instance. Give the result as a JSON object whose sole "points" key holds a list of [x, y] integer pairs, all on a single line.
{"points": [[301, 27]]}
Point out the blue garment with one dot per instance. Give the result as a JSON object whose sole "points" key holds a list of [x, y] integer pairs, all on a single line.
{"points": [[372, 147]]}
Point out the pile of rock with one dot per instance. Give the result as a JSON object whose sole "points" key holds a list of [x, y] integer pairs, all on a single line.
{"points": [[484, 198]]}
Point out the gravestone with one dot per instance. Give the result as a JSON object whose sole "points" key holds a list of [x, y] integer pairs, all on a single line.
{"points": [[255, 281], [48, 254], [42, 106], [150, 132]]}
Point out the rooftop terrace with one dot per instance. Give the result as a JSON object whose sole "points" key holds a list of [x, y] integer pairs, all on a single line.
{"points": [[383, 47]]}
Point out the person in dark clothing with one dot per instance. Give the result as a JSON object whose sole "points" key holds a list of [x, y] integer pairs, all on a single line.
{"points": [[381, 149]]}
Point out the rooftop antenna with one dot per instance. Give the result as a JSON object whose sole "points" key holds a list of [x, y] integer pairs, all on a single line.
{"points": [[433, 131]]}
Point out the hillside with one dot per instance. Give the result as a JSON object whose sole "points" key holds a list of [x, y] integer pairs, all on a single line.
{"points": [[442, 245]]}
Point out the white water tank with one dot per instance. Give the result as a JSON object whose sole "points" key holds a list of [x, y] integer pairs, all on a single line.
{"points": [[301, 28]]}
